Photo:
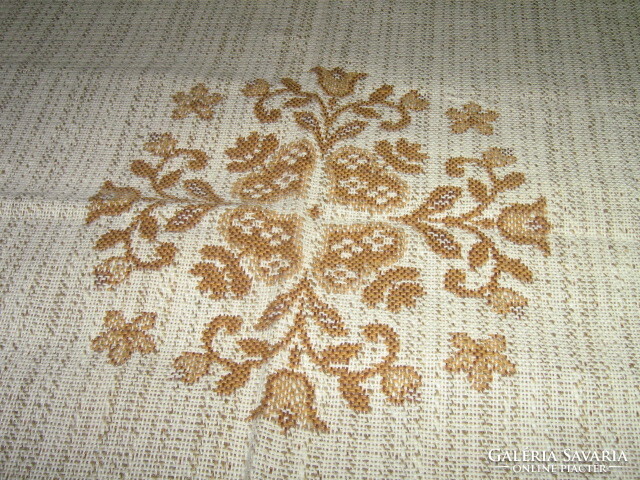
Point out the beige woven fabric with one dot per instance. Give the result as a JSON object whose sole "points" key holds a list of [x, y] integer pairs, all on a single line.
{"points": [[318, 240]]}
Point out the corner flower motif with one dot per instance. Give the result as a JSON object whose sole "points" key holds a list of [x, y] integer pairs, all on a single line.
{"points": [[526, 224], [123, 338], [111, 200], [472, 116], [337, 82], [289, 401], [480, 359], [198, 101]]}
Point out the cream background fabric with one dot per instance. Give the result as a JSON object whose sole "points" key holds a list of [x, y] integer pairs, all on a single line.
{"points": [[82, 86]]}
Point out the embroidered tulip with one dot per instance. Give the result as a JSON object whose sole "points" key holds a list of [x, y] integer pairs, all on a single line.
{"points": [[505, 300], [124, 338], [289, 401], [400, 384], [526, 224], [111, 200], [337, 82]]}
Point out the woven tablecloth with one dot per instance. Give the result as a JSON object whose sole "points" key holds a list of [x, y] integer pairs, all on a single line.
{"points": [[319, 240]]}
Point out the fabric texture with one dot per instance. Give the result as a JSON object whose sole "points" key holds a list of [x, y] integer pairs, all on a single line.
{"points": [[319, 240]]}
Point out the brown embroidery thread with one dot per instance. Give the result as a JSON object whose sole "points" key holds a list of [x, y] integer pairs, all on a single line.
{"points": [[479, 359], [270, 243], [122, 338]]}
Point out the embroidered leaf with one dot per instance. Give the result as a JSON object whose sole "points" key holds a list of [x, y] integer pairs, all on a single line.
{"points": [[200, 188], [232, 381], [381, 93], [148, 227], [366, 112], [441, 199], [328, 319], [187, 218], [198, 159], [113, 271], [291, 84], [142, 169], [255, 348], [479, 190], [192, 366], [251, 151], [307, 120], [264, 115], [340, 354], [404, 295], [111, 239], [454, 166], [277, 309], [441, 241], [514, 267], [231, 323], [350, 130], [353, 393], [511, 181], [296, 102], [169, 180], [479, 254]]}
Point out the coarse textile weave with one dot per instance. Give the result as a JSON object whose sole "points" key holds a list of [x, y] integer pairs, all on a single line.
{"points": [[319, 240]]}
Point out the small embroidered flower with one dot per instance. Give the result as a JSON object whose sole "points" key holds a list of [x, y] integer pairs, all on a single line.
{"points": [[472, 116], [480, 359], [123, 338], [414, 101], [526, 224], [198, 101], [337, 82], [111, 200], [289, 401]]}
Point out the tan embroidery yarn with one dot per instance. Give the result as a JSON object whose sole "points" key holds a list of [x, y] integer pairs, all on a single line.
{"points": [[318, 240], [272, 246]]}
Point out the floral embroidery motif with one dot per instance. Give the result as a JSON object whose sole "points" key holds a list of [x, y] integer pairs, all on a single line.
{"points": [[443, 224], [353, 253], [286, 173], [289, 397], [123, 339], [263, 246], [472, 116], [479, 359], [198, 101]]}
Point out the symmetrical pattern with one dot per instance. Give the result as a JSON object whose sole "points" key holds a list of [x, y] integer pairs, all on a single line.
{"points": [[479, 359], [265, 246]]}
